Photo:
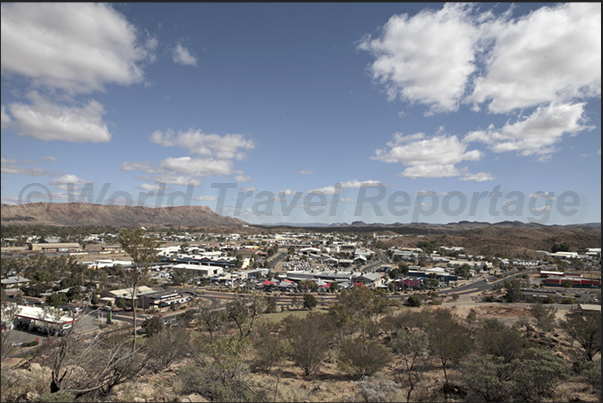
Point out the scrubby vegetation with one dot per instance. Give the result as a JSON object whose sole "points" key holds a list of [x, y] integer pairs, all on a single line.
{"points": [[361, 349]]}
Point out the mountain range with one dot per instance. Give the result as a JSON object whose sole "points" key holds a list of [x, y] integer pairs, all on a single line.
{"points": [[70, 214]]}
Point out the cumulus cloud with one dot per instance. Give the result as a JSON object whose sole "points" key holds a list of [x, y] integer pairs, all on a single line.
{"points": [[430, 171], [46, 120], [456, 54], [68, 181], [206, 198], [228, 146], [198, 166], [336, 189], [433, 157], [76, 47], [242, 178], [427, 58], [478, 177], [9, 167], [552, 54], [5, 119], [307, 172], [154, 187], [182, 56], [536, 134], [172, 178], [138, 166]]}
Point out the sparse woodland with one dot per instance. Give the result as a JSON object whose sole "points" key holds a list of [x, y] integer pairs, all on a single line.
{"points": [[363, 348]]}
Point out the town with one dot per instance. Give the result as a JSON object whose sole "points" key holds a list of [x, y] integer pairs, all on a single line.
{"points": [[53, 289]]}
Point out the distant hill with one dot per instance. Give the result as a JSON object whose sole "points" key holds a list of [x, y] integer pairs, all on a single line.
{"points": [[67, 214]]}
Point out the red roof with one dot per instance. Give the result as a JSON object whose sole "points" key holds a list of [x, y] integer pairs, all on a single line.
{"points": [[268, 282]]}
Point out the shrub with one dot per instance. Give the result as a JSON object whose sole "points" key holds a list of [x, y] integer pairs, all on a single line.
{"points": [[363, 358], [59, 396], [414, 301], [377, 390]]}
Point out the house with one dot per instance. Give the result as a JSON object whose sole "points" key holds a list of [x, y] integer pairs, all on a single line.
{"points": [[370, 279], [14, 281]]}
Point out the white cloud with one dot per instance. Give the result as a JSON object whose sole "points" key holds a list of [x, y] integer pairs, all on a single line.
{"points": [[242, 178], [551, 54], [175, 179], [430, 171], [536, 134], [9, 168], [138, 166], [68, 181], [48, 158], [250, 189], [182, 56], [77, 47], [433, 157], [307, 172], [478, 177], [154, 187], [5, 160], [228, 146], [426, 58], [46, 120], [334, 189], [5, 119], [457, 55], [198, 166], [206, 198]]}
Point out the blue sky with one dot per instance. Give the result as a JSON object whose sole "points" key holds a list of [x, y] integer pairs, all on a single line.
{"points": [[422, 104]]}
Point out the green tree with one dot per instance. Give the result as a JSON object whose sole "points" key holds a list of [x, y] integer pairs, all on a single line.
{"points": [[309, 340], [497, 339], [362, 357], [413, 349], [538, 374], [586, 330], [545, 316], [513, 288], [448, 340], [244, 314], [463, 270], [270, 349], [57, 299], [143, 251], [310, 302], [488, 378], [414, 301], [567, 284]]}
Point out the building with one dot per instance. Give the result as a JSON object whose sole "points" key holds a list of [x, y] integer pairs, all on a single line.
{"points": [[162, 300], [202, 271], [14, 281], [125, 293], [55, 247], [43, 321]]}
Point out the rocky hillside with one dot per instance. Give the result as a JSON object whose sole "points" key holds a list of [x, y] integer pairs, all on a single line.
{"points": [[65, 214]]}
